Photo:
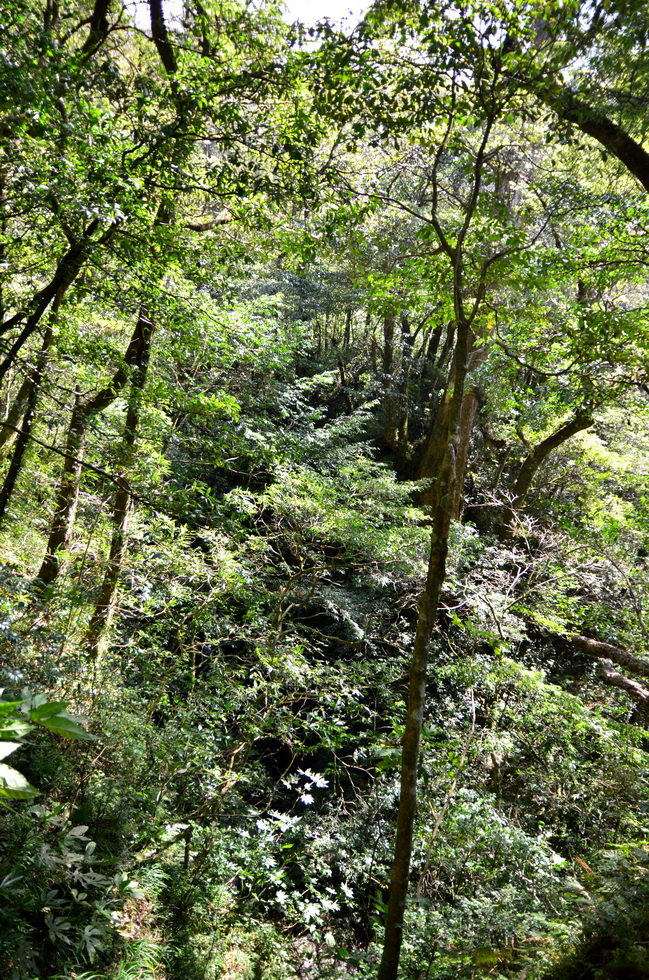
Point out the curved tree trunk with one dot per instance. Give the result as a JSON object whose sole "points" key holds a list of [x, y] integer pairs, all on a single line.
{"points": [[533, 461], [448, 475], [66, 272], [620, 656]]}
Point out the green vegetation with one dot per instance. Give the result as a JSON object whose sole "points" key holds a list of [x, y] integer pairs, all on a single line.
{"points": [[324, 482]]}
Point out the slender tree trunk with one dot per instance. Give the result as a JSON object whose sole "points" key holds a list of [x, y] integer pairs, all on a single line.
{"points": [[3, 231], [387, 368], [347, 337], [532, 463], [103, 610], [67, 496], [68, 493], [407, 341], [122, 506], [15, 415], [66, 272], [470, 404], [24, 410], [448, 475], [396, 380], [434, 341]]}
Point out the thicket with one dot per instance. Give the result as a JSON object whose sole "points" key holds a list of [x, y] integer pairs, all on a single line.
{"points": [[324, 440]]}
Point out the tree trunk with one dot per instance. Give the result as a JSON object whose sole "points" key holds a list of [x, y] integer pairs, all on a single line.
{"points": [[347, 337], [407, 342], [429, 462], [470, 404], [15, 415], [533, 461], [613, 678], [68, 494], [593, 121], [102, 613], [66, 272], [596, 648], [22, 411], [396, 381], [448, 472], [122, 506], [390, 412]]}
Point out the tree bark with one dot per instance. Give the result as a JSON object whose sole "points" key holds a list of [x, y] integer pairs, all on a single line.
{"points": [[429, 462], [390, 413], [67, 496], [596, 648], [24, 410], [614, 679], [396, 381], [122, 506], [443, 494], [99, 26], [470, 405], [532, 463], [161, 38], [347, 336], [68, 493], [15, 415], [595, 123], [65, 274], [448, 475]]}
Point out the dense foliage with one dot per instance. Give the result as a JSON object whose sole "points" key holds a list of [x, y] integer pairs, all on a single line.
{"points": [[324, 503]]}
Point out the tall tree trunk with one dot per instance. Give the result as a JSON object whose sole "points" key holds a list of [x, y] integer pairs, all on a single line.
{"points": [[23, 409], [407, 342], [532, 463], [390, 411], [68, 493], [396, 380], [449, 475], [3, 232], [347, 337], [429, 461], [67, 496], [122, 506]]}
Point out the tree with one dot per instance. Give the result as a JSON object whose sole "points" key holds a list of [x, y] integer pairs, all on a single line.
{"points": [[469, 84]]}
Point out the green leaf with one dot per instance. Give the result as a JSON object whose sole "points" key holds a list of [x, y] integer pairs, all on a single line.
{"points": [[62, 724], [14, 785], [14, 728], [8, 707], [47, 710]]}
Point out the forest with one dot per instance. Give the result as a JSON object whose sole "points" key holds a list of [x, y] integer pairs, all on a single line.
{"points": [[324, 491]]}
